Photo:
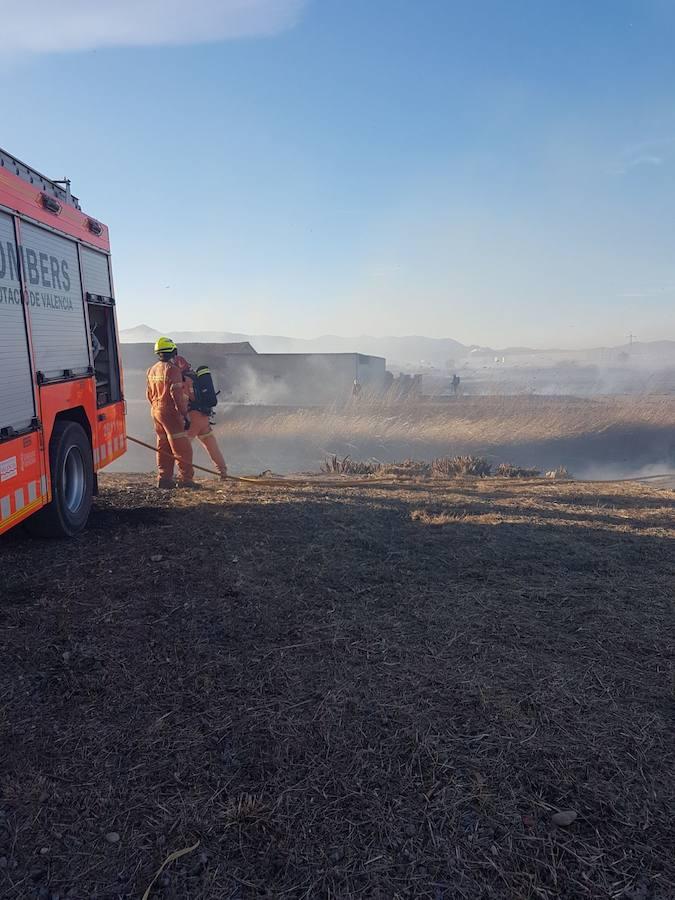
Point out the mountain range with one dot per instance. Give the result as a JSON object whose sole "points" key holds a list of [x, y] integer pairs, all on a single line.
{"points": [[416, 351], [403, 350]]}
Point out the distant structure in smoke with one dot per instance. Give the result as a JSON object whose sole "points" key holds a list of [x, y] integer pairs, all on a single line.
{"points": [[324, 376], [300, 379], [273, 379]]}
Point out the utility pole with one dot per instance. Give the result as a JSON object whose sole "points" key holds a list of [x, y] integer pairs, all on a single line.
{"points": [[631, 338]]}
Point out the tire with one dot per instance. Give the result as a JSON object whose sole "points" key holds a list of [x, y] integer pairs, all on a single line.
{"points": [[72, 476]]}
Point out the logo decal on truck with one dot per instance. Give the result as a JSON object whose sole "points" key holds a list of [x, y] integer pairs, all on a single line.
{"points": [[41, 270], [28, 459], [7, 468]]}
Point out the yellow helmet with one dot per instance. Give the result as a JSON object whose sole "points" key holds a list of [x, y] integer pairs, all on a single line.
{"points": [[165, 345]]}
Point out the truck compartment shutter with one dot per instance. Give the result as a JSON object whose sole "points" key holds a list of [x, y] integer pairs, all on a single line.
{"points": [[55, 302], [95, 273], [16, 395]]}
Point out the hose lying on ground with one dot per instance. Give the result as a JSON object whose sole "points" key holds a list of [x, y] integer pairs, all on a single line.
{"points": [[203, 468], [262, 479]]}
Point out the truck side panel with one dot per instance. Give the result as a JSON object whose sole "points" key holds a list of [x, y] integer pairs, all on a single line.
{"points": [[18, 404], [23, 485], [70, 398], [95, 273], [111, 436], [55, 302]]}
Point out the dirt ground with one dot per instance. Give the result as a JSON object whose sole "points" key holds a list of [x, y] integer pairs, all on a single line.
{"points": [[334, 692]]}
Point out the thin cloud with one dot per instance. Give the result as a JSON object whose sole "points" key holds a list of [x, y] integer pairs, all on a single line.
{"points": [[648, 153], [644, 159], [56, 26]]}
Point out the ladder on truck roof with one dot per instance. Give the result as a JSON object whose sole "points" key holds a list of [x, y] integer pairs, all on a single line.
{"points": [[58, 189]]}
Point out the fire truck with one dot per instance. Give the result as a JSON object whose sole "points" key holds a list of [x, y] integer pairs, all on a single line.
{"points": [[62, 412]]}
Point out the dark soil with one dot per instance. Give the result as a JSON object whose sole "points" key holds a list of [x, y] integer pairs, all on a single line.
{"points": [[380, 692]]}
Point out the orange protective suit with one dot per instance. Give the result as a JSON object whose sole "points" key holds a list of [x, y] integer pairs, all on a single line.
{"points": [[200, 427], [168, 403]]}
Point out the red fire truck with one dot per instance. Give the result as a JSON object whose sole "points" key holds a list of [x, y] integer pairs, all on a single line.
{"points": [[61, 402]]}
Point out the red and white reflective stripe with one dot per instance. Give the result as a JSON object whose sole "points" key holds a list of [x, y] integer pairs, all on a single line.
{"points": [[108, 449], [22, 498]]}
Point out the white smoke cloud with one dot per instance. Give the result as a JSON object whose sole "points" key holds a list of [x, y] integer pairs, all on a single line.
{"points": [[71, 25]]}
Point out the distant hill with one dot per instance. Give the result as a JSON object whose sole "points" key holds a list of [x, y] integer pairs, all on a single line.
{"points": [[413, 350], [416, 352]]}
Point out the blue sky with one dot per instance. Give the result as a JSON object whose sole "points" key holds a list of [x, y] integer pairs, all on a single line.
{"points": [[497, 172]]}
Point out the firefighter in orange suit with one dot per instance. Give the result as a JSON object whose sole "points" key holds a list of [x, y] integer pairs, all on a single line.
{"points": [[168, 403], [200, 420]]}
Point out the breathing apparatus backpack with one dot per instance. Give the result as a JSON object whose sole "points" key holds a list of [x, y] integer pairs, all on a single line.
{"points": [[206, 396]]}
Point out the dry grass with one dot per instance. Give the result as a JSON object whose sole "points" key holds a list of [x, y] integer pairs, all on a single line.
{"points": [[478, 420], [541, 432], [385, 692], [443, 467], [451, 467], [508, 470], [560, 473], [334, 465]]}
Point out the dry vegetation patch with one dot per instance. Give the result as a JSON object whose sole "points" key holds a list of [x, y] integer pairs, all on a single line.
{"points": [[478, 420]]}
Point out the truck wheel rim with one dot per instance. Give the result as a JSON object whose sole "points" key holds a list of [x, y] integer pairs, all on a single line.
{"points": [[73, 480]]}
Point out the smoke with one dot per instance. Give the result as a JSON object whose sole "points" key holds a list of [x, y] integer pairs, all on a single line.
{"points": [[570, 378], [254, 389], [294, 379], [287, 413], [606, 472]]}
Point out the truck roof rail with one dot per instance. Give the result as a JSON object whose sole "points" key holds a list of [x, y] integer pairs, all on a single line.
{"points": [[58, 189]]}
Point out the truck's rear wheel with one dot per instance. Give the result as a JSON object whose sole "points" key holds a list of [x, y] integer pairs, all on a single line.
{"points": [[72, 477]]}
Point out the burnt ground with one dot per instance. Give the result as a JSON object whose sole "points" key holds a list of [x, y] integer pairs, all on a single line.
{"points": [[379, 692]]}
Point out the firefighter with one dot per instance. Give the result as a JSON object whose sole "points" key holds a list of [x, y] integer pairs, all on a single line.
{"points": [[168, 404], [200, 419]]}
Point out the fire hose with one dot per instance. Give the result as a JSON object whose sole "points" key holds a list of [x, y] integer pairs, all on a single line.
{"points": [[259, 479], [249, 478], [263, 479]]}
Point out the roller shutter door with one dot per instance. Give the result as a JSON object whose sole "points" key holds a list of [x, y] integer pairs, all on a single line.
{"points": [[16, 397], [55, 302], [95, 273]]}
